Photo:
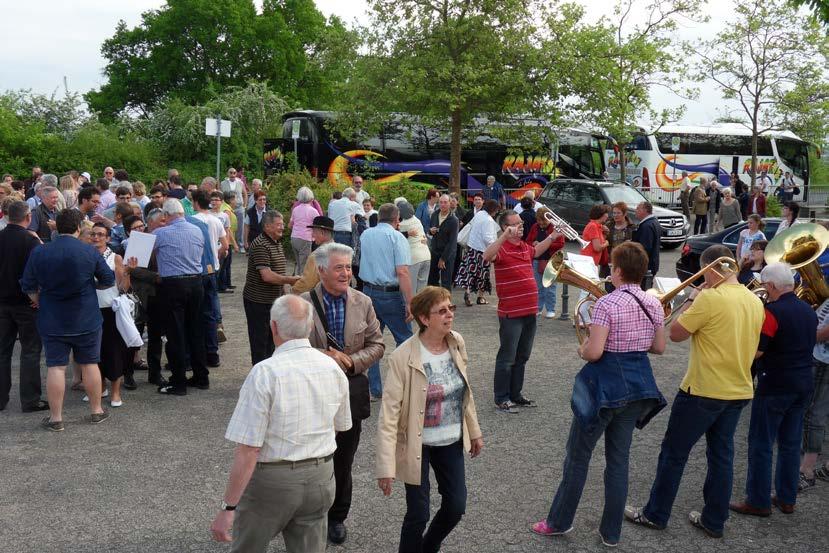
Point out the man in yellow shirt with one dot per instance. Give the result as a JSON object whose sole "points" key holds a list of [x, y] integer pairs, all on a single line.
{"points": [[724, 325]]}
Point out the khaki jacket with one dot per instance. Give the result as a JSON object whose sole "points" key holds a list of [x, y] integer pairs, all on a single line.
{"points": [[699, 201], [309, 279], [399, 435]]}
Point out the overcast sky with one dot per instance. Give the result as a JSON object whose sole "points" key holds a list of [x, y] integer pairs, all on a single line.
{"points": [[45, 40]]}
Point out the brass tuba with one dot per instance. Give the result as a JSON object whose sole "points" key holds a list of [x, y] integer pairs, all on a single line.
{"points": [[800, 246]]}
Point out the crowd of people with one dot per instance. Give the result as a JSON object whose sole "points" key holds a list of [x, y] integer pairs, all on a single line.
{"points": [[316, 345]]}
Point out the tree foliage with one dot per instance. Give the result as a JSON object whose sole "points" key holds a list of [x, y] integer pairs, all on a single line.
{"points": [[193, 50], [773, 63], [820, 9], [614, 64], [452, 63]]}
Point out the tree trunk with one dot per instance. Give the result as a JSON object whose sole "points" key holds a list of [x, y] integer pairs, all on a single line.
{"points": [[622, 163], [455, 153]]}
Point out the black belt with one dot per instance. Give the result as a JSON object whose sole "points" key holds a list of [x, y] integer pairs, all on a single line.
{"points": [[295, 464], [179, 277], [392, 288]]}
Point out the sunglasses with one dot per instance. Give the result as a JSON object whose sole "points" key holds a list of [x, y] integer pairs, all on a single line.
{"points": [[444, 310]]}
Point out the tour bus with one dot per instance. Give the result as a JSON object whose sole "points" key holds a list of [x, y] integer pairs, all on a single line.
{"points": [[421, 154], [714, 152]]}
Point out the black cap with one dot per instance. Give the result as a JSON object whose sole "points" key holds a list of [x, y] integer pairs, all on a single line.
{"points": [[323, 222]]}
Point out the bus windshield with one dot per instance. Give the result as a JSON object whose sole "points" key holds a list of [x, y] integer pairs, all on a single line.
{"points": [[795, 154]]}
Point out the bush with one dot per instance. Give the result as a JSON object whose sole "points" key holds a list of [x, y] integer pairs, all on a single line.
{"points": [[773, 207]]}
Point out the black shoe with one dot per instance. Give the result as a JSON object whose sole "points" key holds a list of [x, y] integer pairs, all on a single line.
{"points": [[171, 391], [524, 402], [213, 360], [231, 287], [200, 384], [226, 291], [141, 365], [336, 532], [129, 382], [158, 380], [40, 405]]}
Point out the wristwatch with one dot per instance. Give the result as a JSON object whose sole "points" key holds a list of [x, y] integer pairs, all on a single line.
{"points": [[226, 507]]}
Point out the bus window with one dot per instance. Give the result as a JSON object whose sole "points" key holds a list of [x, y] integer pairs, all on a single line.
{"points": [[307, 130], [795, 155]]}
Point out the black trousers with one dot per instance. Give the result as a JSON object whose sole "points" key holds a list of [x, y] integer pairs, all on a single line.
{"points": [[259, 330], [439, 277], [185, 328], [347, 443], [155, 330], [19, 321]]}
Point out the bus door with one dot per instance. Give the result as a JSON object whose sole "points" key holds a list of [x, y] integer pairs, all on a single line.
{"points": [[300, 135], [728, 164]]}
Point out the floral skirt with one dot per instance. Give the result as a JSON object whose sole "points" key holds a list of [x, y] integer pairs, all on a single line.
{"points": [[473, 274]]}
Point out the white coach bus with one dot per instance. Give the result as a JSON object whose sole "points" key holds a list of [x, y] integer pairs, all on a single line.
{"points": [[655, 168]]}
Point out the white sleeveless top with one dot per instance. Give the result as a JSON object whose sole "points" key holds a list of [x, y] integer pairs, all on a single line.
{"points": [[106, 296]]}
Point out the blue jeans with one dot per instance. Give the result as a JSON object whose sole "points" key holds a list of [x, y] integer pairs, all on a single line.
{"points": [[390, 309], [777, 417], [212, 312], [343, 237], [691, 418], [447, 462], [617, 426], [546, 296], [517, 335]]}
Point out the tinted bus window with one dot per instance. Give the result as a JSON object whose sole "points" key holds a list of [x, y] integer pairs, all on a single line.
{"points": [[307, 130], [713, 144], [795, 155]]}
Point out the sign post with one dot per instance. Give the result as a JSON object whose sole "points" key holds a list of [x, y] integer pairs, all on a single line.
{"points": [[295, 136], [217, 127]]}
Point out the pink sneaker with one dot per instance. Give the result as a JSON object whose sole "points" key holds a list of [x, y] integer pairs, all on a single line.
{"points": [[542, 529]]}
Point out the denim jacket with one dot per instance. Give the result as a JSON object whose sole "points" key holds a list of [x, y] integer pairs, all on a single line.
{"points": [[613, 381]]}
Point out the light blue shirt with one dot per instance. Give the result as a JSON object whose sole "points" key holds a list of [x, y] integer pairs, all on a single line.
{"points": [[179, 247], [382, 250]]}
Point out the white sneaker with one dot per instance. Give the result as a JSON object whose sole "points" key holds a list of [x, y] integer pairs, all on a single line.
{"points": [[116, 403], [550, 315], [103, 395]]}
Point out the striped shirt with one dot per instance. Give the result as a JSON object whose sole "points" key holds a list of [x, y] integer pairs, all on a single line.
{"points": [[264, 253], [291, 405], [178, 248], [629, 327], [514, 280]]}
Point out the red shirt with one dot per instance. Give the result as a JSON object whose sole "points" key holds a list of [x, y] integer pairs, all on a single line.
{"points": [[592, 231], [514, 280]]}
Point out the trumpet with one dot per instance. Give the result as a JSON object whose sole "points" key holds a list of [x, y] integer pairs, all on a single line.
{"points": [[723, 267], [564, 228]]}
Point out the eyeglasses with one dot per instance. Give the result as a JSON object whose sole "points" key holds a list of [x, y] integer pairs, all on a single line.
{"points": [[444, 310], [98, 234]]}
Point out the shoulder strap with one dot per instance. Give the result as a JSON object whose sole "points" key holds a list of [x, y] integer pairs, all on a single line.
{"points": [[332, 342], [644, 309]]}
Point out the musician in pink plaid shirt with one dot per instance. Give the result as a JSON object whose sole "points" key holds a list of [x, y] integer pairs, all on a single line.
{"points": [[613, 392]]}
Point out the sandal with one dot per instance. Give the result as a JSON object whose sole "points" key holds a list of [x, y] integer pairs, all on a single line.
{"points": [[482, 301]]}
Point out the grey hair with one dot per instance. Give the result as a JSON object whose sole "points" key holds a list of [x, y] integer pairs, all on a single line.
{"points": [[256, 181], [502, 220], [349, 193], [209, 181], [490, 177], [779, 274], [322, 255], [529, 194], [154, 214], [16, 211], [270, 216], [400, 199], [447, 196], [293, 316], [387, 213], [173, 207], [726, 189], [47, 189], [49, 180], [304, 195]]}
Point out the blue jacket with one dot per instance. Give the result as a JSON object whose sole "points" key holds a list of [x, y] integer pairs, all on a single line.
{"points": [[616, 380], [422, 213], [649, 234]]}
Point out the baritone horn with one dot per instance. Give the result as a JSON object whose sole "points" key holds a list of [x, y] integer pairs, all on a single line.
{"points": [[800, 246], [564, 227], [558, 271], [723, 267]]}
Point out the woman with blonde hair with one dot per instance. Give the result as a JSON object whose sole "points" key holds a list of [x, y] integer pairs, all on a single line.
{"points": [[428, 374], [748, 236]]}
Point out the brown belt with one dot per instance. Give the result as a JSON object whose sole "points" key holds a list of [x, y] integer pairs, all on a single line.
{"points": [[295, 464]]}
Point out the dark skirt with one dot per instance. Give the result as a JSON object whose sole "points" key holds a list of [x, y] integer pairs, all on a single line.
{"points": [[116, 357], [473, 274]]}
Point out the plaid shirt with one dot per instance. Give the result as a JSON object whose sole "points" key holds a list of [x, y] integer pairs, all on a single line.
{"points": [[630, 329], [291, 405], [335, 313]]}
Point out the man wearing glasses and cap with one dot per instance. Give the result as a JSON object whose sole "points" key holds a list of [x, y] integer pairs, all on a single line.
{"points": [[347, 330]]}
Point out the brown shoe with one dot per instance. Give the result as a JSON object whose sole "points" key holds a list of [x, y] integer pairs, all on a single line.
{"points": [[785, 508], [745, 509]]}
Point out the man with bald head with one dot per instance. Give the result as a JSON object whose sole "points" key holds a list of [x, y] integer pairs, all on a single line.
{"points": [[282, 474]]}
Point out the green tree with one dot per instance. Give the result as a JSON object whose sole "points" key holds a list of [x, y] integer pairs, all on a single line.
{"points": [[772, 62], [449, 63], [194, 49], [613, 64], [820, 9]]}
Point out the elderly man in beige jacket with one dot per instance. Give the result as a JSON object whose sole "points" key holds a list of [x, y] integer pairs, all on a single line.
{"points": [[346, 329], [428, 418]]}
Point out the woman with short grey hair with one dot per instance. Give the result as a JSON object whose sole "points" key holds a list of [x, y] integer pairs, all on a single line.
{"points": [[302, 217]]}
